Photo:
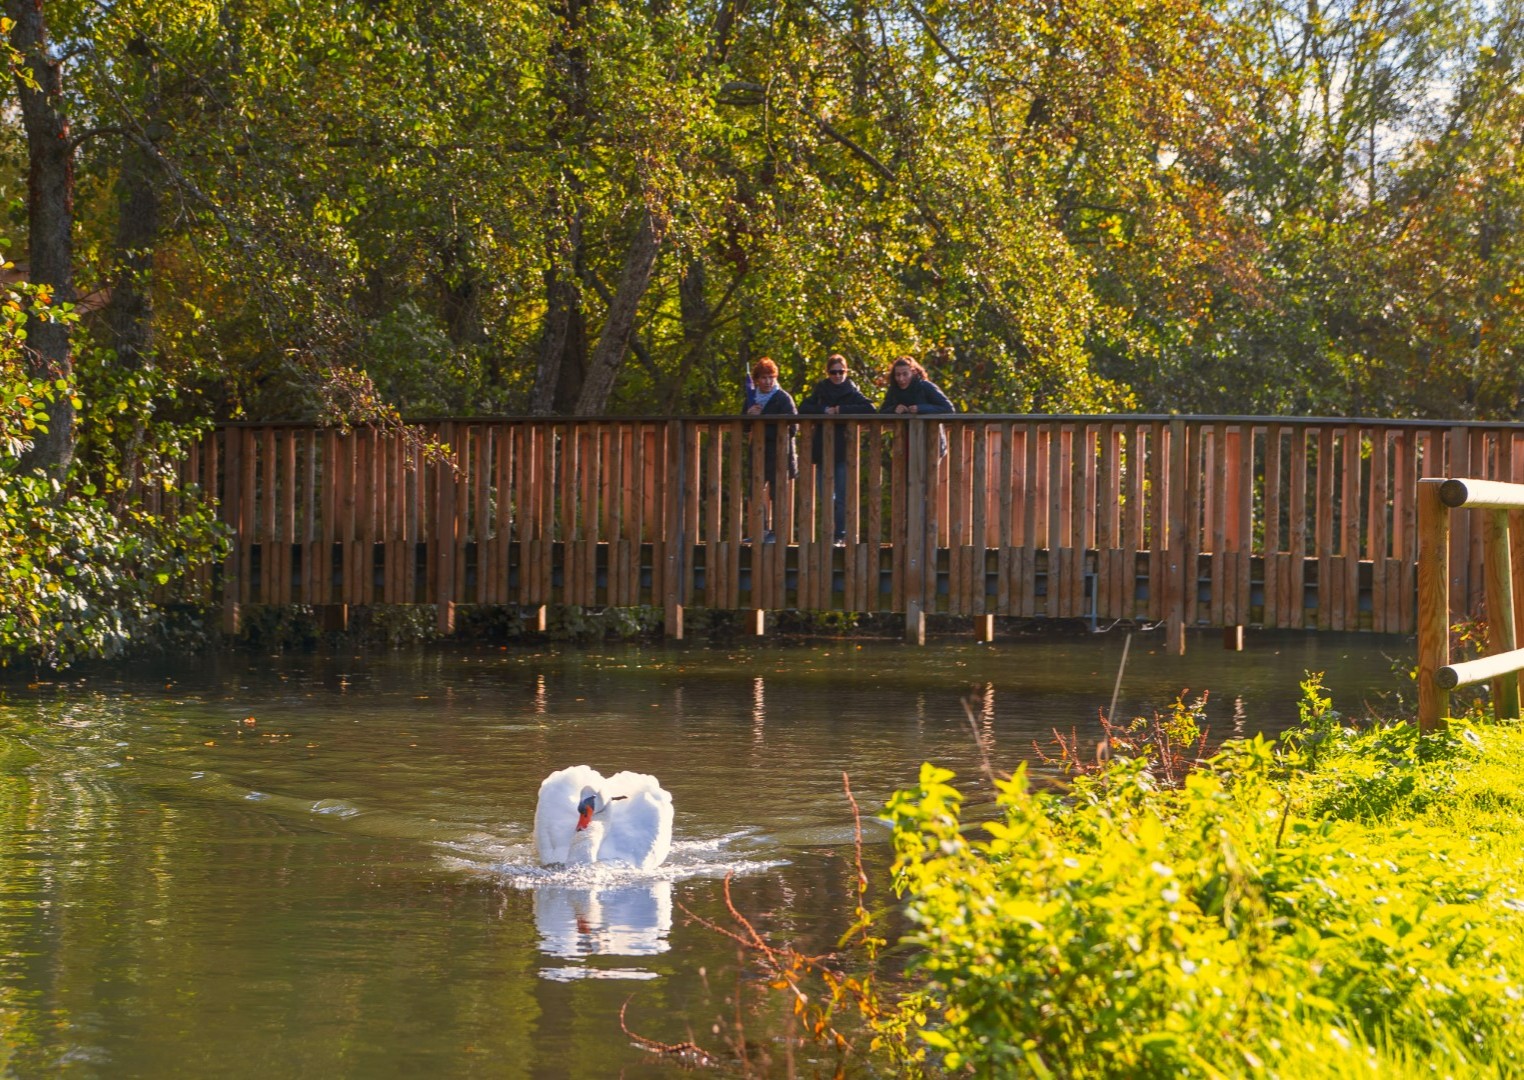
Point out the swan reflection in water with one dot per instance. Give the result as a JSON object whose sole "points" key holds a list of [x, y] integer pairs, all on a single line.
{"points": [[617, 919]]}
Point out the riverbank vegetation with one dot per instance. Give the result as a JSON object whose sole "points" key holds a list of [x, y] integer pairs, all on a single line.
{"points": [[1338, 902]]}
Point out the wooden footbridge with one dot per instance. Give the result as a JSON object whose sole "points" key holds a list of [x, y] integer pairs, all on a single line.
{"points": [[1190, 521]]}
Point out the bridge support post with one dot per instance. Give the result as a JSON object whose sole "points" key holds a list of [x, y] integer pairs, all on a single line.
{"points": [[446, 616], [672, 622], [755, 622], [1233, 638], [334, 617], [539, 618], [915, 623], [232, 618], [984, 628]]}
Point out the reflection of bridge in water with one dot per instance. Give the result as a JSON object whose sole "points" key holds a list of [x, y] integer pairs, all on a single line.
{"points": [[1192, 521]]}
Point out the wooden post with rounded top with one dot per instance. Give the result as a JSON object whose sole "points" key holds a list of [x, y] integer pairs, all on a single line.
{"points": [[1433, 603]]}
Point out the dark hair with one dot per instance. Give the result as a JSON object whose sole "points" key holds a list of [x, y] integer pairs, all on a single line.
{"points": [[764, 366], [915, 369]]}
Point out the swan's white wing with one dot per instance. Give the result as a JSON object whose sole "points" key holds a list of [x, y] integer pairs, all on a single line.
{"points": [[555, 816], [639, 826]]}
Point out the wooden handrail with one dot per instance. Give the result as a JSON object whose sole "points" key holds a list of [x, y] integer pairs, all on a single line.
{"points": [[1436, 675]]}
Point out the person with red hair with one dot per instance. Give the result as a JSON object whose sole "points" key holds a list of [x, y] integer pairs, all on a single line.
{"points": [[770, 399]]}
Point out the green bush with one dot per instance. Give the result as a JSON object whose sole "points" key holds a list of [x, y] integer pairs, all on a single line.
{"points": [[1126, 928]]}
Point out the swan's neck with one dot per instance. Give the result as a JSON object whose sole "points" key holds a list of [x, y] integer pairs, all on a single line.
{"points": [[585, 844]]}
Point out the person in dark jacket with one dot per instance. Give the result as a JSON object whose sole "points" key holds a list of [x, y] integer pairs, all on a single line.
{"points": [[835, 395], [769, 399], [910, 391]]}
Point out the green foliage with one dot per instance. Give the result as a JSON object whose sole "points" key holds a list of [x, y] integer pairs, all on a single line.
{"points": [[1129, 928], [83, 560]]}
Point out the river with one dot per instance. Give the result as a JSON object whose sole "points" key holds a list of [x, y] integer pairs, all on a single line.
{"points": [[323, 866]]}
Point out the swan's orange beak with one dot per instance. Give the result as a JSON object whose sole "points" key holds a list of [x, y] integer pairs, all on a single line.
{"points": [[585, 815]]}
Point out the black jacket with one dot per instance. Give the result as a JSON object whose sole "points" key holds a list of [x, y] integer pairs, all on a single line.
{"points": [[845, 397], [922, 393]]}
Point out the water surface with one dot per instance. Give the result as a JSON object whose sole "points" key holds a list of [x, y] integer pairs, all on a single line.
{"points": [[304, 866]]}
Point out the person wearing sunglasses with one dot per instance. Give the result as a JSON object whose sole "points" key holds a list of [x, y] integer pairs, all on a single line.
{"points": [[835, 395]]}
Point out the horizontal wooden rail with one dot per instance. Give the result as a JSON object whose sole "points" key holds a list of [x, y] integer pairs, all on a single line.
{"points": [[1192, 521], [1480, 670], [1436, 675]]}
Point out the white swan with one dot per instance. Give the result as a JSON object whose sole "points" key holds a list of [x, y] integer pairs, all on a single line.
{"points": [[583, 818]]}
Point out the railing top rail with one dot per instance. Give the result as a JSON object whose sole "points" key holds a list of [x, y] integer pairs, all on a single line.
{"points": [[1458, 492], [952, 418]]}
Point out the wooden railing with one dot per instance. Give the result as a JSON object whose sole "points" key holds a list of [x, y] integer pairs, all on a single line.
{"points": [[1192, 521], [1437, 498]]}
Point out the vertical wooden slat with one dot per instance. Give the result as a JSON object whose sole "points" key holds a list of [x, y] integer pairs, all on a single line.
{"points": [[1177, 571], [267, 515], [1132, 518], [979, 540], [1274, 612], [1296, 579], [878, 441], [1195, 524], [1058, 495], [957, 524], [1459, 464], [1004, 538], [757, 513], [1244, 498], [1031, 498], [1217, 519], [855, 590], [1475, 596], [806, 554], [1108, 522], [672, 547], [713, 540], [914, 537], [1160, 571], [444, 527], [734, 512], [1378, 500], [1084, 475], [1351, 505]]}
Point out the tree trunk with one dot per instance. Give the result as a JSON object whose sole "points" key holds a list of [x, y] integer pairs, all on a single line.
{"points": [[50, 220], [563, 338], [129, 314], [460, 293], [614, 340]]}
